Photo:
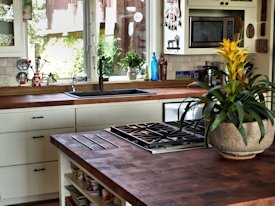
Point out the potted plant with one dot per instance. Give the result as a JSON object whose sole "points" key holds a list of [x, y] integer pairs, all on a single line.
{"points": [[238, 121], [132, 61]]}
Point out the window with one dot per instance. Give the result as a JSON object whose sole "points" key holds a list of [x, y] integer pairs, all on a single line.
{"points": [[121, 28], [57, 31]]}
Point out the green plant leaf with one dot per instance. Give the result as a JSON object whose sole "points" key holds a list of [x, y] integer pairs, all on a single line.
{"points": [[208, 109], [240, 110], [187, 108], [260, 123], [243, 134], [232, 117], [219, 118], [214, 91], [207, 130], [262, 109]]}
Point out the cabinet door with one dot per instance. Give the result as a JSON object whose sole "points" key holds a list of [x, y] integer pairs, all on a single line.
{"points": [[101, 116], [222, 3], [26, 180], [28, 147], [37, 120], [11, 23]]}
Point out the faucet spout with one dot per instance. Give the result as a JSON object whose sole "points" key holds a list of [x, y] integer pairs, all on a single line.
{"points": [[100, 78]]}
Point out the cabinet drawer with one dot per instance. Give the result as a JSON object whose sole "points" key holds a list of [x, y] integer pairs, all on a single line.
{"points": [[28, 147], [102, 116], [35, 120], [26, 180]]}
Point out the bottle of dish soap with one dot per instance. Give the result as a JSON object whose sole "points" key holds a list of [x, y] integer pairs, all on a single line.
{"points": [[154, 68]]}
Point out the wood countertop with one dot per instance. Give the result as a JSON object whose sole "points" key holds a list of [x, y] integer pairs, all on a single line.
{"points": [[58, 99], [193, 177]]}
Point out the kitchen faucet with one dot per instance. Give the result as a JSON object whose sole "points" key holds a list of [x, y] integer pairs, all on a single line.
{"points": [[100, 78], [73, 84]]}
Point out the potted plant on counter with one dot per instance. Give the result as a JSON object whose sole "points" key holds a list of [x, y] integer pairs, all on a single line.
{"points": [[238, 121], [132, 62]]}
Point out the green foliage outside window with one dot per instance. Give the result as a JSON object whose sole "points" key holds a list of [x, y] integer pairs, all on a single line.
{"points": [[111, 51]]}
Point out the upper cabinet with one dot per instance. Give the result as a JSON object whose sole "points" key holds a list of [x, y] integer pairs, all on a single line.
{"points": [[223, 3], [11, 23], [194, 27]]}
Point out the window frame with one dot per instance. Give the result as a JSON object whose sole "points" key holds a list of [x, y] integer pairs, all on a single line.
{"points": [[153, 35]]}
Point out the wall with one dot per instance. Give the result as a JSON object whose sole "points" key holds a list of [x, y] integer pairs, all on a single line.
{"points": [[8, 71], [186, 63], [8, 68]]}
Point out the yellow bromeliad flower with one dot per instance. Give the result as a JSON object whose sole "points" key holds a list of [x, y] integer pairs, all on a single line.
{"points": [[235, 58]]}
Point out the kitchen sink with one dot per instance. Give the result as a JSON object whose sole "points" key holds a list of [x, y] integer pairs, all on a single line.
{"points": [[109, 93]]}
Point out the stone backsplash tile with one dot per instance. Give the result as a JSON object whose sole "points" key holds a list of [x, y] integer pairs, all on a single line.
{"points": [[187, 63], [8, 71]]}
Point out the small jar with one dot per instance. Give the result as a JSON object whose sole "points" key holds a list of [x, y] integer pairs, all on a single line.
{"points": [[106, 196]]}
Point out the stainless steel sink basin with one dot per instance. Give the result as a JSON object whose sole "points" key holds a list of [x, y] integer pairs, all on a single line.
{"points": [[109, 93]]}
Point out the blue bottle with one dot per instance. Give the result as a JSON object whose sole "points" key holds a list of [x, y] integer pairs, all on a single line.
{"points": [[154, 68]]}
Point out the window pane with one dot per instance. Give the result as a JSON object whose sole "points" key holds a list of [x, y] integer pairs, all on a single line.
{"points": [[122, 25], [56, 34]]}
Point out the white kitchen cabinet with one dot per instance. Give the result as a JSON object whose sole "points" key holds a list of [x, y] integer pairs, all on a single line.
{"points": [[28, 147], [101, 116], [27, 120], [28, 161], [27, 180], [11, 27], [177, 40], [223, 4]]}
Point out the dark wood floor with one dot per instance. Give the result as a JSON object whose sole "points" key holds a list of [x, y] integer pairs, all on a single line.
{"points": [[44, 203]]}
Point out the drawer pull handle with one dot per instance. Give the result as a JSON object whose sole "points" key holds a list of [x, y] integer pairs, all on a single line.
{"points": [[38, 117], [38, 137], [39, 170]]}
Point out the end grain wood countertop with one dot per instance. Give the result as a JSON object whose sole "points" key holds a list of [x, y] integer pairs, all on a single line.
{"points": [[195, 177], [59, 99]]}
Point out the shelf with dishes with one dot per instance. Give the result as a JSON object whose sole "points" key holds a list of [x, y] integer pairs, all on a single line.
{"points": [[94, 197], [84, 189]]}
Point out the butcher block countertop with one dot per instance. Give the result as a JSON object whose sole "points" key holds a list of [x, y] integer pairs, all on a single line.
{"points": [[194, 177], [58, 99]]}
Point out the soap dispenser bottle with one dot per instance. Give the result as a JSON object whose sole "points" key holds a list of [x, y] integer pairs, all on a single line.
{"points": [[154, 68]]}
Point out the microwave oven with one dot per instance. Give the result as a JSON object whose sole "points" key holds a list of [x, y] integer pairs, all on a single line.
{"points": [[207, 32]]}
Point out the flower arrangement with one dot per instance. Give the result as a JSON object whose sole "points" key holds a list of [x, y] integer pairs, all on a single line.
{"points": [[39, 64], [240, 99]]}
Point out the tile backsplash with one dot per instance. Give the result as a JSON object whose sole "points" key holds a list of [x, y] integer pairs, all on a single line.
{"points": [[186, 63], [8, 71]]}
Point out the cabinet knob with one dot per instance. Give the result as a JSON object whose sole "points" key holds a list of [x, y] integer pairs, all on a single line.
{"points": [[39, 170], [222, 3], [38, 117], [226, 3], [38, 137]]}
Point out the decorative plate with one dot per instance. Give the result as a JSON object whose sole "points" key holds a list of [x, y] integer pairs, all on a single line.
{"points": [[22, 64], [22, 77]]}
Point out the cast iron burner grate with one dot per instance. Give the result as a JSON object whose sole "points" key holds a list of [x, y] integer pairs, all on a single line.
{"points": [[164, 136]]}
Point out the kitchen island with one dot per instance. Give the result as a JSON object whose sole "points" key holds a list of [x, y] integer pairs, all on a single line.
{"points": [[193, 177]]}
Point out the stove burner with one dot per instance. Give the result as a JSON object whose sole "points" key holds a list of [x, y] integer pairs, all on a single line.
{"points": [[163, 136]]}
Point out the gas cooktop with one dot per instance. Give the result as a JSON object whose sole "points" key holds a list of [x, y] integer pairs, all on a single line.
{"points": [[164, 136]]}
